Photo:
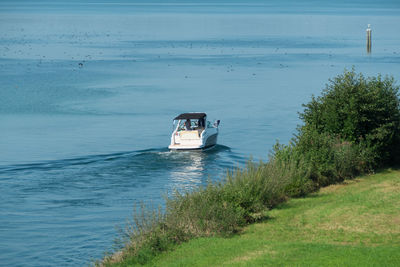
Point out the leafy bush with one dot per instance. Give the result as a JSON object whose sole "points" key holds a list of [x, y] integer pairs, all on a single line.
{"points": [[329, 159], [358, 110], [287, 159], [203, 212]]}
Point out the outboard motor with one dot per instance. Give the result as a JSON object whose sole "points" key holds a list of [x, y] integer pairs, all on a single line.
{"points": [[216, 123]]}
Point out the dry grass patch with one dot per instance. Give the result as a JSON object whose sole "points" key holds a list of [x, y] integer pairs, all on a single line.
{"points": [[252, 255], [338, 187], [367, 223], [389, 187]]}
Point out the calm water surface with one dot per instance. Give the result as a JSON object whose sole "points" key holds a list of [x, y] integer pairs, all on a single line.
{"points": [[88, 91]]}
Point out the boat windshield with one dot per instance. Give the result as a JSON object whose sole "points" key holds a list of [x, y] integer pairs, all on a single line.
{"points": [[189, 125]]}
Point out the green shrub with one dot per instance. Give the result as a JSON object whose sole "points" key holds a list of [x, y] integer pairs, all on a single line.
{"points": [[203, 212], [287, 159], [358, 109], [254, 189]]}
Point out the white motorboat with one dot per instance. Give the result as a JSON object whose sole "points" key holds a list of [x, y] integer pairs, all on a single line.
{"points": [[193, 131]]}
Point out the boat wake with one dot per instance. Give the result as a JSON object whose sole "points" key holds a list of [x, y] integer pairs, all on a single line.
{"points": [[132, 158]]}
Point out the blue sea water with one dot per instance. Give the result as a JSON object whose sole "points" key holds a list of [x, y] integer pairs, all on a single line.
{"points": [[88, 90]]}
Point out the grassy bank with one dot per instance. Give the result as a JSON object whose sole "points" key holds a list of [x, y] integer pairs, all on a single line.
{"points": [[353, 128], [355, 223]]}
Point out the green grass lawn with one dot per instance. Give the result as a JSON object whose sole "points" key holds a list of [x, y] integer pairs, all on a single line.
{"points": [[356, 223]]}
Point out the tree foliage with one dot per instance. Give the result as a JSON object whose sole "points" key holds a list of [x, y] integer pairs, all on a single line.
{"points": [[358, 110]]}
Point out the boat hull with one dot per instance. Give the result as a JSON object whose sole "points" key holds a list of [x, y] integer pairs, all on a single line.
{"points": [[179, 147], [209, 142]]}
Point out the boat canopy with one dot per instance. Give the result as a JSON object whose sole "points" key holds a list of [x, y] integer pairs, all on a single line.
{"points": [[191, 116]]}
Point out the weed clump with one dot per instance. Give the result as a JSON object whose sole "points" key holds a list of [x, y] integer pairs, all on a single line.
{"points": [[217, 209]]}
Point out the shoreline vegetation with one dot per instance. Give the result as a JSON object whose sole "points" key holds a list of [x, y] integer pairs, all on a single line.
{"points": [[353, 128], [353, 223]]}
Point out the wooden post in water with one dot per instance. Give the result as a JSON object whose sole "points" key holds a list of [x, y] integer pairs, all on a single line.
{"points": [[369, 41]]}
